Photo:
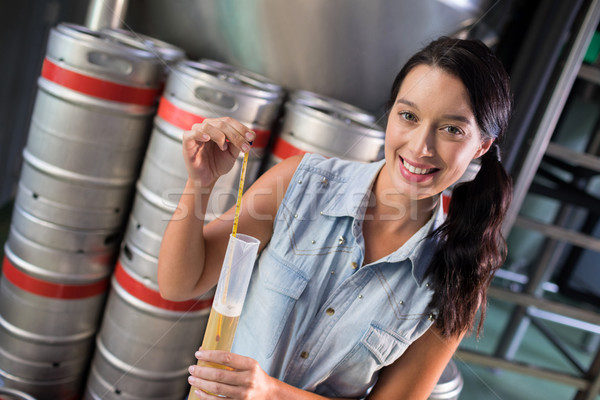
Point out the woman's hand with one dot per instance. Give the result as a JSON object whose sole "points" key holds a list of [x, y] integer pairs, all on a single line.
{"points": [[211, 148], [244, 378]]}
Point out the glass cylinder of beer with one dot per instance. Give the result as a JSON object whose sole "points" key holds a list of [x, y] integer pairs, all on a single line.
{"points": [[229, 296]]}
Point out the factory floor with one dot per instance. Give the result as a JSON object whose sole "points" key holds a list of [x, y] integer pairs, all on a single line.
{"points": [[481, 383]]}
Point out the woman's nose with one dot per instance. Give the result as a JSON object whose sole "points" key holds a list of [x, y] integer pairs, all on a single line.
{"points": [[422, 142]]}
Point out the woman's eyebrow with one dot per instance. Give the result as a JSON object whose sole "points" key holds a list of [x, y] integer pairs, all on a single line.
{"points": [[455, 117], [459, 118], [409, 103]]}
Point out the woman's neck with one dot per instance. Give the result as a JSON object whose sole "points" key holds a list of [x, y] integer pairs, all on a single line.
{"points": [[395, 211]]}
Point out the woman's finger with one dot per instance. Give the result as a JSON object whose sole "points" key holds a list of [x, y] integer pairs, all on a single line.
{"points": [[224, 131], [230, 377], [205, 388], [225, 358]]}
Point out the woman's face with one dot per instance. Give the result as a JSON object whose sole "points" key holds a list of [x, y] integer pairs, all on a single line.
{"points": [[431, 135]]}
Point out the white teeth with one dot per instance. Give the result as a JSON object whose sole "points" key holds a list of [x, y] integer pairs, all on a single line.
{"points": [[415, 170]]}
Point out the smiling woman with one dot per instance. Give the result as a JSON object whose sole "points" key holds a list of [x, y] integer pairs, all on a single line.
{"points": [[363, 288]]}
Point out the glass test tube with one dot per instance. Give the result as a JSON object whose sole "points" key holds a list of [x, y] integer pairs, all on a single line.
{"points": [[229, 296]]}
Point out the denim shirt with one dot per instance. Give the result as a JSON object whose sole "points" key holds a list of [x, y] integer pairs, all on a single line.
{"points": [[315, 316]]}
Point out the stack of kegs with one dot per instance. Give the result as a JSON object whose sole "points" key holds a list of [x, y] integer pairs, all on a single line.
{"points": [[89, 130], [146, 343], [313, 123]]}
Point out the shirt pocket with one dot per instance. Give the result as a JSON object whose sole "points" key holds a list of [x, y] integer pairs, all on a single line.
{"points": [[357, 371], [275, 288]]}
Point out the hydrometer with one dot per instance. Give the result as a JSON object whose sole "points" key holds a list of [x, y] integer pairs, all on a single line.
{"points": [[232, 286]]}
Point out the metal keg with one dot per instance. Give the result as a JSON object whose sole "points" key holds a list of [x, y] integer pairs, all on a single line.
{"points": [[198, 90], [40, 302], [449, 385], [314, 123], [93, 107], [47, 325], [146, 343], [89, 128], [65, 198]]}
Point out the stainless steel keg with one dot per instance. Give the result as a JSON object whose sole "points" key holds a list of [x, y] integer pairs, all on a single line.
{"points": [[145, 343], [314, 123], [198, 90], [47, 325]]}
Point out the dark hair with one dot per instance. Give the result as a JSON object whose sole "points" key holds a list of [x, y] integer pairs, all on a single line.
{"points": [[471, 247]]}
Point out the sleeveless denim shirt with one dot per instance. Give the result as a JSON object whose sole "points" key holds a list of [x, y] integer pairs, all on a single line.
{"points": [[315, 317]]}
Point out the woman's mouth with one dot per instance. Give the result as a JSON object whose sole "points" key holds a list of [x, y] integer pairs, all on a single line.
{"points": [[416, 172]]}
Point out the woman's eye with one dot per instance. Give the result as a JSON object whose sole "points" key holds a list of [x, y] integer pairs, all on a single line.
{"points": [[453, 130], [408, 116]]}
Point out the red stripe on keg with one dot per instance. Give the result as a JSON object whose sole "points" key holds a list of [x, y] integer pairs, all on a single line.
{"points": [[284, 149], [185, 120], [152, 297], [50, 289], [97, 87]]}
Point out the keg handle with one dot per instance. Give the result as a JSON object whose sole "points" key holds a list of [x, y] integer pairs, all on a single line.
{"points": [[216, 97], [110, 62]]}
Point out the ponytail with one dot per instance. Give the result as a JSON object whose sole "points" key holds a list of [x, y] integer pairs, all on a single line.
{"points": [[471, 246]]}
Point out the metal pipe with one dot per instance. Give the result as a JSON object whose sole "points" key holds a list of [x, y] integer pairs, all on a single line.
{"points": [[594, 375], [564, 320], [552, 112], [470, 356], [557, 342], [536, 60], [106, 14], [525, 300]]}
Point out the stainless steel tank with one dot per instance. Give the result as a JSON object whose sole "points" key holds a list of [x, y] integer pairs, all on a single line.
{"points": [[346, 49]]}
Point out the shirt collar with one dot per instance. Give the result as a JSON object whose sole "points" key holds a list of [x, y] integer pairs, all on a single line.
{"points": [[418, 249], [352, 202]]}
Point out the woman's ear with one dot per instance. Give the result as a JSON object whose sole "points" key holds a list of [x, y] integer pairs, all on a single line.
{"points": [[485, 146]]}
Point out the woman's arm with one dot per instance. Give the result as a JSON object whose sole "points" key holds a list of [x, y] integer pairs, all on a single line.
{"points": [[191, 254], [414, 375]]}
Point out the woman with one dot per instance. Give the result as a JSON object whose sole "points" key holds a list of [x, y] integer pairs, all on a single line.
{"points": [[362, 287]]}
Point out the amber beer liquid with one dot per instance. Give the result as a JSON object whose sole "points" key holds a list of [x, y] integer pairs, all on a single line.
{"points": [[219, 334], [220, 330], [229, 297]]}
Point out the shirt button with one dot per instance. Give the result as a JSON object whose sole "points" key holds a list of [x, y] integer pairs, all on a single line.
{"points": [[304, 354], [330, 311], [354, 265]]}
